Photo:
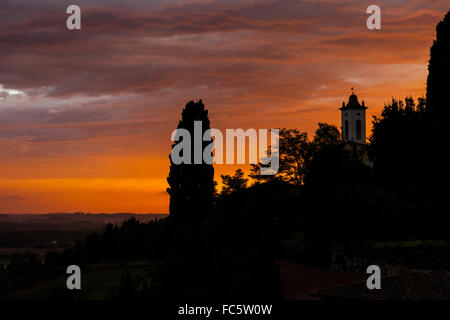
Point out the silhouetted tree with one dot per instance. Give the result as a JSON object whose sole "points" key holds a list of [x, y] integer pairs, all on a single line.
{"points": [[439, 105], [294, 150], [399, 144], [234, 183], [439, 72], [295, 155], [326, 134], [335, 188], [191, 186], [255, 172]]}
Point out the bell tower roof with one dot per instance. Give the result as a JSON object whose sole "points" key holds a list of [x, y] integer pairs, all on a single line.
{"points": [[353, 103]]}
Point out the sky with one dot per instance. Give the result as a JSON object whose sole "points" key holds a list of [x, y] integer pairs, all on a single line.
{"points": [[86, 115]]}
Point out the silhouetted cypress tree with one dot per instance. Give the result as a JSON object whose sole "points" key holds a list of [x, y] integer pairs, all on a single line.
{"points": [[438, 102], [439, 72], [191, 185]]}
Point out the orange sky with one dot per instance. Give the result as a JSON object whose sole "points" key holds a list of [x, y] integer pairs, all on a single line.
{"points": [[86, 116]]}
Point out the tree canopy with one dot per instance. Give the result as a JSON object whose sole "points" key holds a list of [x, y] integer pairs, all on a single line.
{"points": [[234, 183]]}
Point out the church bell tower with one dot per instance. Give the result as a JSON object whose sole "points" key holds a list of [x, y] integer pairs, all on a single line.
{"points": [[353, 120]]}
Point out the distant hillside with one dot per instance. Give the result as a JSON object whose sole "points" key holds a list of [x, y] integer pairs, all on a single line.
{"points": [[67, 221]]}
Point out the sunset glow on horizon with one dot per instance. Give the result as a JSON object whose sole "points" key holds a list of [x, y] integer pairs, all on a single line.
{"points": [[86, 116]]}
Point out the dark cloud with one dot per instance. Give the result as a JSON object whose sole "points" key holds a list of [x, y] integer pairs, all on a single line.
{"points": [[121, 81], [142, 50]]}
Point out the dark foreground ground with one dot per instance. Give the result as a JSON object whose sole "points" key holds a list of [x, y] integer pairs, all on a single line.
{"points": [[416, 269], [301, 281], [304, 282]]}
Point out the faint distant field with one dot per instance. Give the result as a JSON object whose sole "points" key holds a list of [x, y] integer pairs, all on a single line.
{"points": [[67, 221], [33, 239], [56, 230]]}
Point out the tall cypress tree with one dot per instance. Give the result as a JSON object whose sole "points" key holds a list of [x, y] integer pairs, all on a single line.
{"points": [[191, 186], [439, 72], [438, 103]]}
